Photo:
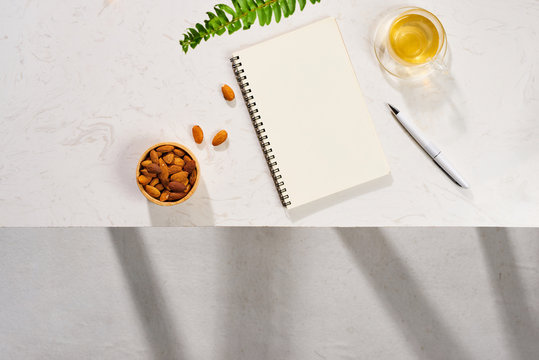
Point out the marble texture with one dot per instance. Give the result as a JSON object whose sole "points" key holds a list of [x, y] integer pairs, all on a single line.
{"points": [[87, 86], [258, 293]]}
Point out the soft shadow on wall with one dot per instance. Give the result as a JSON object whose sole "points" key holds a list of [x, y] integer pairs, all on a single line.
{"points": [[256, 287], [504, 271], [152, 308], [422, 325]]}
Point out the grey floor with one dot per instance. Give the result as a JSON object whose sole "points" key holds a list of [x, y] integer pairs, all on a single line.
{"points": [[176, 293]]}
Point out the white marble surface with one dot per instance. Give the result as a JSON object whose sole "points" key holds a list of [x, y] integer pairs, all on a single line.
{"points": [[267, 294], [86, 86]]}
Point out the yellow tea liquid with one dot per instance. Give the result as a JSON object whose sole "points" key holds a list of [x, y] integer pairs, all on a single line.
{"points": [[414, 38]]}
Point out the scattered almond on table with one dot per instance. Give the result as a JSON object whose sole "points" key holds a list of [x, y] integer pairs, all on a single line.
{"points": [[219, 138], [198, 135], [228, 93]]}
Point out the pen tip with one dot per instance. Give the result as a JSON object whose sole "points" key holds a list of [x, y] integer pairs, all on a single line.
{"points": [[393, 109]]}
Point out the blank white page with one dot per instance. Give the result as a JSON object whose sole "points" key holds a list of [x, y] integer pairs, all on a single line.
{"points": [[314, 114]]}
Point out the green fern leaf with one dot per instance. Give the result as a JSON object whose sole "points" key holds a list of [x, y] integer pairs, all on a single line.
{"points": [[291, 6], [201, 30], [251, 18], [244, 6], [194, 33], [236, 5], [235, 26], [227, 9], [252, 5], [302, 4], [215, 24], [261, 16], [269, 13], [221, 14], [284, 8], [277, 11], [260, 4]]}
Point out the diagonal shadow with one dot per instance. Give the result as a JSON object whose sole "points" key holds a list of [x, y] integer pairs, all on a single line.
{"points": [[155, 316], [255, 288], [421, 325], [511, 296]]}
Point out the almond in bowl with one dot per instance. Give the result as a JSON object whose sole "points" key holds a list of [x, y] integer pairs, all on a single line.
{"points": [[168, 173]]}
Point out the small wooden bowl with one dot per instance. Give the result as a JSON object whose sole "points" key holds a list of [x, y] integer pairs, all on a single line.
{"points": [[191, 191]]}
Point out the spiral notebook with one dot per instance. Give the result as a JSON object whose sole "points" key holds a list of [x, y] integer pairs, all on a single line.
{"points": [[309, 113]]}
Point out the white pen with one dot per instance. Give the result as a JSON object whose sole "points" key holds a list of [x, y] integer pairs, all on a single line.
{"points": [[430, 148]]}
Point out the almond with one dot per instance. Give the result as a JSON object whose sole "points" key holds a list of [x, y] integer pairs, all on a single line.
{"points": [[176, 186], [189, 166], [176, 196], [186, 158], [163, 176], [146, 163], [146, 173], [179, 152], [178, 161], [154, 182], [198, 135], [164, 168], [173, 169], [219, 138], [228, 93], [153, 156], [164, 195], [193, 177], [154, 168], [153, 192], [159, 187], [168, 158], [165, 148], [144, 180], [165, 183], [180, 177]]}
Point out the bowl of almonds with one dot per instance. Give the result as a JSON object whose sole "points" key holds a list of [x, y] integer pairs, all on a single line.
{"points": [[167, 173]]}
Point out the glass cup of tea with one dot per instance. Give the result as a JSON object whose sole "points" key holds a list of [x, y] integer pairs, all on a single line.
{"points": [[410, 42]]}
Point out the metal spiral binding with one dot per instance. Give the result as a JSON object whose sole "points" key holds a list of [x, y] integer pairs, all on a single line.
{"points": [[241, 78]]}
